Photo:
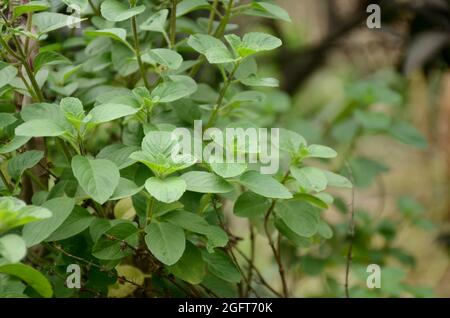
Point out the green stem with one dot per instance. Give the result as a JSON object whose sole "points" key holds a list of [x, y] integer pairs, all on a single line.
{"points": [[173, 23], [138, 52], [223, 23], [5, 182], [218, 105], [212, 15], [219, 32]]}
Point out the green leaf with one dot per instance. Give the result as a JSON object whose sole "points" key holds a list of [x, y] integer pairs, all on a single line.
{"points": [[7, 74], [32, 6], [408, 134], [119, 154], [35, 233], [72, 106], [13, 144], [113, 10], [29, 275], [253, 42], [186, 6], [178, 87], [42, 111], [167, 190], [157, 149], [97, 177], [125, 188], [191, 267], [268, 10], [228, 170], [166, 241], [300, 216], [195, 223], [117, 34], [213, 49], [40, 128], [79, 220], [324, 230], [14, 212], [310, 178], [49, 58], [110, 246], [319, 151], [12, 248], [291, 141], [21, 162], [206, 182], [258, 81], [222, 266], [336, 180], [264, 185], [50, 21], [249, 204], [108, 112], [168, 58], [156, 22]]}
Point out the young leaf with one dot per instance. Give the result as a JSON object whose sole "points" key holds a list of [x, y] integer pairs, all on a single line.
{"points": [[167, 190], [97, 177], [114, 10], [214, 50], [14, 212], [319, 151], [336, 180], [310, 178], [166, 241], [264, 185]]}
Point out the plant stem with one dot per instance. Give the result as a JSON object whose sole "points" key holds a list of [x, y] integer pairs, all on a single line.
{"points": [[173, 23], [36, 180], [351, 234], [219, 32], [5, 182], [276, 253], [138, 52], [213, 117], [212, 15], [223, 23]]}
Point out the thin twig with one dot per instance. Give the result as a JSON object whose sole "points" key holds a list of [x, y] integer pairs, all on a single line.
{"points": [[351, 233]]}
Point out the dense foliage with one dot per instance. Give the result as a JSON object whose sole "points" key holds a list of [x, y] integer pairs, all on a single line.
{"points": [[88, 104]]}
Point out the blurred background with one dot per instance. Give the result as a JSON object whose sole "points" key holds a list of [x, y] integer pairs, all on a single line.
{"points": [[381, 97]]}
